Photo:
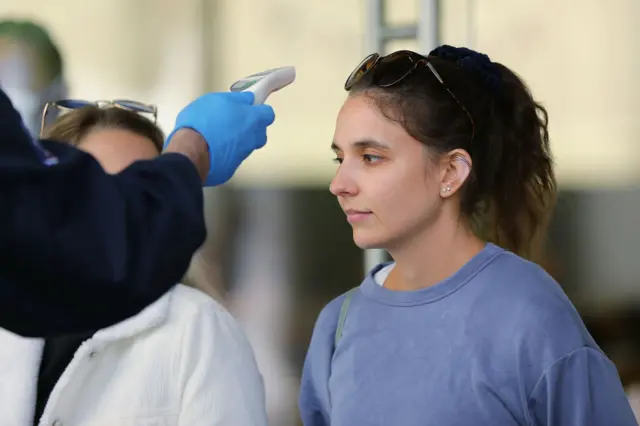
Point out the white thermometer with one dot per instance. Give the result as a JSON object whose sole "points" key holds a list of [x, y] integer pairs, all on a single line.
{"points": [[265, 83]]}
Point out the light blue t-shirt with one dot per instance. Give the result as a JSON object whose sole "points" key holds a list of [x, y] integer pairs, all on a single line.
{"points": [[496, 344]]}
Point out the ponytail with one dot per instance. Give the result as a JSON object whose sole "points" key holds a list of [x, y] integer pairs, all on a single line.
{"points": [[522, 191]]}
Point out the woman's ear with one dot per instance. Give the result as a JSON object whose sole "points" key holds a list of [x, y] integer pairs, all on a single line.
{"points": [[456, 168]]}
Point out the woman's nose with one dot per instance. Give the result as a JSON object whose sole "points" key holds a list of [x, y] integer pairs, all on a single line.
{"points": [[343, 184]]}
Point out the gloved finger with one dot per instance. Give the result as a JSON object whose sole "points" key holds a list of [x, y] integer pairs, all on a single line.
{"points": [[261, 141], [246, 98], [266, 115]]}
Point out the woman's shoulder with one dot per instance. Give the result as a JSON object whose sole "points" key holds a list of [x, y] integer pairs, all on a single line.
{"points": [[203, 323], [183, 295], [529, 308], [520, 281], [517, 287], [190, 307]]}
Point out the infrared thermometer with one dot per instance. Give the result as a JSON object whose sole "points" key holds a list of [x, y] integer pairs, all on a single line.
{"points": [[265, 83]]}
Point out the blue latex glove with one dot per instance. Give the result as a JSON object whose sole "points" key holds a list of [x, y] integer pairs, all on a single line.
{"points": [[232, 126]]}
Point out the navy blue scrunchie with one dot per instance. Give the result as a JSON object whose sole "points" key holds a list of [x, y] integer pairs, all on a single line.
{"points": [[473, 61]]}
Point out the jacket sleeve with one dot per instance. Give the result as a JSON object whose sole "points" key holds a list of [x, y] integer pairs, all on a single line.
{"points": [[581, 389], [222, 383], [81, 249]]}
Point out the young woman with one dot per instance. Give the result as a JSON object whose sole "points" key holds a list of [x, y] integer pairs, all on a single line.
{"points": [[444, 162], [182, 361]]}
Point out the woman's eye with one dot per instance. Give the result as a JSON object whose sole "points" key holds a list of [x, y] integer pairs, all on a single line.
{"points": [[370, 158], [337, 160]]}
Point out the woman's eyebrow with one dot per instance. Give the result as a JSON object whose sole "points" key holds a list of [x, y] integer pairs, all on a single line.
{"points": [[364, 143]]}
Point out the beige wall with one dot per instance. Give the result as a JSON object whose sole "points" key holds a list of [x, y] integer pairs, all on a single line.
{"points": [[577, 55]]}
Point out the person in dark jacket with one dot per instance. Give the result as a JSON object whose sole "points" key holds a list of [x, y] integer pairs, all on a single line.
{"points": [[81, 249]]}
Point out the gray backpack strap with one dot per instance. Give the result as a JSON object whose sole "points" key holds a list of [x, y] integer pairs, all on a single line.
{"points": [[344, 309]]}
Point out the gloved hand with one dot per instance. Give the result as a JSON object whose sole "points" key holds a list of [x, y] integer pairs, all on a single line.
{"points": [[232, 127]]}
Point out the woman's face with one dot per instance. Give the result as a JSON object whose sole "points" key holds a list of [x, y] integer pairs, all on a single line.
{"points": [[386, 183], [116, 149]]}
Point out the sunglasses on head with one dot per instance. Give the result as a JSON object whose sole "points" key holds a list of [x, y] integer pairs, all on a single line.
{"points": [[71, 104], [389, 70]]}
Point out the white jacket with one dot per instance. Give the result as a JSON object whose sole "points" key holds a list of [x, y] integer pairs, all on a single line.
{"points": [[182, 361]]}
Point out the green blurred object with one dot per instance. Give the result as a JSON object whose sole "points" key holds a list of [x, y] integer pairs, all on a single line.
{"points": [[37, 38]]}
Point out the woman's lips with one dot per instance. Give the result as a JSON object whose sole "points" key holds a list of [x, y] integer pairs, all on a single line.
{"points": [[355, 216]]}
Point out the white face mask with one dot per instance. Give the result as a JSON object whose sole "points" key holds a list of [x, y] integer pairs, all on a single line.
{"points": [[14, 77], [29, 105]]}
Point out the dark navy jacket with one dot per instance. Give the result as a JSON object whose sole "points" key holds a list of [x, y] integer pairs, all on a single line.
{"points": [[81, 249]]}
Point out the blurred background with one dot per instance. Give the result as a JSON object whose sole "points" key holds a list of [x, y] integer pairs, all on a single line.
{"points": [[280, 248]]}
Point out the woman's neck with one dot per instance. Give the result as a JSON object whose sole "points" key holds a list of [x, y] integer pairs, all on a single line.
{"points": [[432, 256]]}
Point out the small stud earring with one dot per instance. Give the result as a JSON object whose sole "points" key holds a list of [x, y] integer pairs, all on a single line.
{"points": [[446, 189]]}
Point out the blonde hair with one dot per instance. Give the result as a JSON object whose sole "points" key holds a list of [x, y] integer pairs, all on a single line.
{"points": [[71, 127]]}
